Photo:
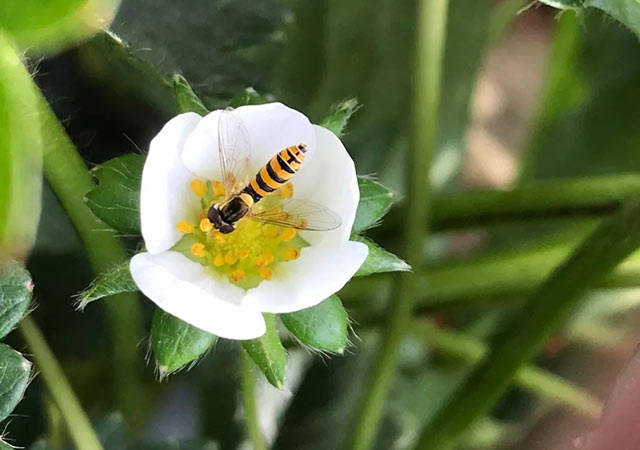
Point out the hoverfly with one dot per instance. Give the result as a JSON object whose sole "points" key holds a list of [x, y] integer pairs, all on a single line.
{"points": [[242, 195]]}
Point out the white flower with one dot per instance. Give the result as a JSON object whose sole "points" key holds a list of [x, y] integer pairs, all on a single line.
{"points": [[203, 286]]}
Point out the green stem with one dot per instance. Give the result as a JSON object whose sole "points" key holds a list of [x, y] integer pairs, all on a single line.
{"points": [[591, 196], [537, 381], [518, 339], [67, 175], [76, 420], [248, 381], [500, 277], [431, 28]]}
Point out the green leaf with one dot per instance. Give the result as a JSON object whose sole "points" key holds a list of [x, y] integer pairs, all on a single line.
{"points": [[20, 153], [176, 343], [323, 327], [519, 338], [379, 260], [53, 24], [339, 116], [187, 100], [16, 290], [625, 11], [116, 200], [220, 47], [14, 377], [247, 97], [114, 281], [268, 353], [375, 201]]}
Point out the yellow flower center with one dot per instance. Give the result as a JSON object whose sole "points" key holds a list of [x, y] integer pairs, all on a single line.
{"points": [[253, 252]]}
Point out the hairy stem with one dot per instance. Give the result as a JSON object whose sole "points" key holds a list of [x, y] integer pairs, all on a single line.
{"points": [[75, 419], [432, 19], [67, 175], [248, 382]]}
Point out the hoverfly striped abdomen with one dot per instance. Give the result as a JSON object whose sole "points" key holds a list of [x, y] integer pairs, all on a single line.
{"points": [[276, 172]]}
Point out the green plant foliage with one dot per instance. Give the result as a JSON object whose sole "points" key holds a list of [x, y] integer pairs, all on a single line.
{"points": [[114, 281], [375, 201], [187, 100], [176, 343], [589, 103], [116, 200], [15, 371], [219, 46], [626, 11], [546, 309], [16, 290], [50, 25], [339, 116], [20, 153], [268, 353], [322, 327], [249, 96], [379, 260]]}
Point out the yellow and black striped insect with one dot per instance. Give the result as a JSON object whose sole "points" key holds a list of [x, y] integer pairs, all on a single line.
{"points": [[242, 194]]}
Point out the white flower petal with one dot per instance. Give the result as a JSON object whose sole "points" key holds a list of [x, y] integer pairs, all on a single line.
{"points": [[328, 177], [307, 281], [186, 289], [271, 127], [165, 197]]}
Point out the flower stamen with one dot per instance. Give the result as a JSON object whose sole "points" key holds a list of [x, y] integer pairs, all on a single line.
{"points": [[198, 250], [185, 227], [198, 187], [291, 253]]}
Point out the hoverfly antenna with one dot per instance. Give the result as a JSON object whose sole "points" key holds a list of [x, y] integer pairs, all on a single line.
{"points": [[302, 148]]}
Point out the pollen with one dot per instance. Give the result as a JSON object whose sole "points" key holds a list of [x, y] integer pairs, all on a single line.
{"points": [[230, 258], [286, 191], [288, 234], [198, 250], [184, 227], [218, 260], [198, 187], [291, 253], [206, 225], [218, 188], [237, 275], [252, 253]]}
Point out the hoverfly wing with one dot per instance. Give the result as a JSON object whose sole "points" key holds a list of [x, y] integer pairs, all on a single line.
{"points": [[234, 150], [299, 214]]}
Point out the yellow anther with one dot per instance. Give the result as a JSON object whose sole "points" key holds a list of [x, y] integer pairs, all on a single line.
{"points": [[218, 188], [230, 258], [288, 234], [264, 259], [268, 256], [265, 273], [198, 187], [184, 227], [218, 260], [243, 253], [219, 237], [198, 250], [270, 230], [286, 191], [237, 275], [291, 253], [206, 225]]}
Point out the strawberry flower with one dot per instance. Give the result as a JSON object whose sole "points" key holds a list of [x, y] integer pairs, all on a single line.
{"points": [[222, 283]]}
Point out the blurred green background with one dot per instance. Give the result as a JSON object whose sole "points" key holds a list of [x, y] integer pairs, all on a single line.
{"points": [[524, 98]]}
